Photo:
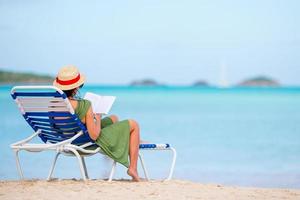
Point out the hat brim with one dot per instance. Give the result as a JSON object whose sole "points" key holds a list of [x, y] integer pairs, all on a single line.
{"points": [[72, 86]]}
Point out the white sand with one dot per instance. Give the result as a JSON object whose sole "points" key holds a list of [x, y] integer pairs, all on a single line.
{"points": [[123, 190]]}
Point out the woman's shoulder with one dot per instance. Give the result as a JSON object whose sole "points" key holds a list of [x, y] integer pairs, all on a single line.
{"points": [[84, 103], [83, 106]]}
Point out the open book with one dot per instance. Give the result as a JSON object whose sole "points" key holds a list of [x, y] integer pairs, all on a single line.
{"points": [[100, 104]]}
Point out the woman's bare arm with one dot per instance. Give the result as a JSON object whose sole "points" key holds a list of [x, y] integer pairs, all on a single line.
{"points": [[93, 124]]}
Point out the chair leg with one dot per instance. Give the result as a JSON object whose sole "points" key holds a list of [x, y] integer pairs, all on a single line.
{"points": [[52, 167], [112, 171], [79, 161], [173, 164], [144, 167], [84, 166], [18, 164]]}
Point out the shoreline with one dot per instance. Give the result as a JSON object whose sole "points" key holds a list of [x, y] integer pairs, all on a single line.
{"points": [[125, 189]]}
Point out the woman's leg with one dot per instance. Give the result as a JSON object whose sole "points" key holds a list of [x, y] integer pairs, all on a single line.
{"points": [[134, 142]]}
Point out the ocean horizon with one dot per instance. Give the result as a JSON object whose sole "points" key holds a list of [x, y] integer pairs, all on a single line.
{"points": [[245, 136]]}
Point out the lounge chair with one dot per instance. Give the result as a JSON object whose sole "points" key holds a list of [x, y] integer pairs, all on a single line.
{"points": [[48, 111]]}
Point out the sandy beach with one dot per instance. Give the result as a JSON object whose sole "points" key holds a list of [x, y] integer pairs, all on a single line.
{"points": [[123, 189]]}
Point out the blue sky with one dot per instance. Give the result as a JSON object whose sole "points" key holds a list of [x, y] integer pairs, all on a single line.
{"points": [[173, 42]]}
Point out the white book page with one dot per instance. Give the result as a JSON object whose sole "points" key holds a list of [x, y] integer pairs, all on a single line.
{"points": [[100, 104]]}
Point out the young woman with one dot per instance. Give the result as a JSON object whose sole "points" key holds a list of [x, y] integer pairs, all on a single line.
{"points": [[116, 138]]}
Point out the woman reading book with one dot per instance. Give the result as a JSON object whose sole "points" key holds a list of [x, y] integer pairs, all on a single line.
{"points": [[116, 138]]}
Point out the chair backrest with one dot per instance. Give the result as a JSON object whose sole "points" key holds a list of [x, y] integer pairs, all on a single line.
{"points": [[47, 109]]}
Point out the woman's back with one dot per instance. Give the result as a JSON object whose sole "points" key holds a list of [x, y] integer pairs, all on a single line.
{"points": [[81, 108]]}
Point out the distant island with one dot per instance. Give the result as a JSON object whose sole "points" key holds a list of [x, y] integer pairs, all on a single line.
{"points": [[259, 81], [8, 77], [201, 83], [145, 82]]}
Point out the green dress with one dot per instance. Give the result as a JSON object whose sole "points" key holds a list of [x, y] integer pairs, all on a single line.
{"points": [[113, 138]]}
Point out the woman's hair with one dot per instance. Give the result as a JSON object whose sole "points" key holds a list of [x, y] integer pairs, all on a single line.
{"points": [[72, 92]]}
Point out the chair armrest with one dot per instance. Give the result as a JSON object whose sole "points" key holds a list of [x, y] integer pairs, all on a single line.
{"points": [[25, 140], [68, 141]]}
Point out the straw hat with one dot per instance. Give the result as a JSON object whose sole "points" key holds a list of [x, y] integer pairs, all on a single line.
{"points": [[68, 78]]}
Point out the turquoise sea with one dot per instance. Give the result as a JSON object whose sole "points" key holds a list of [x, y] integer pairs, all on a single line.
{"points": [[235, 136]]}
